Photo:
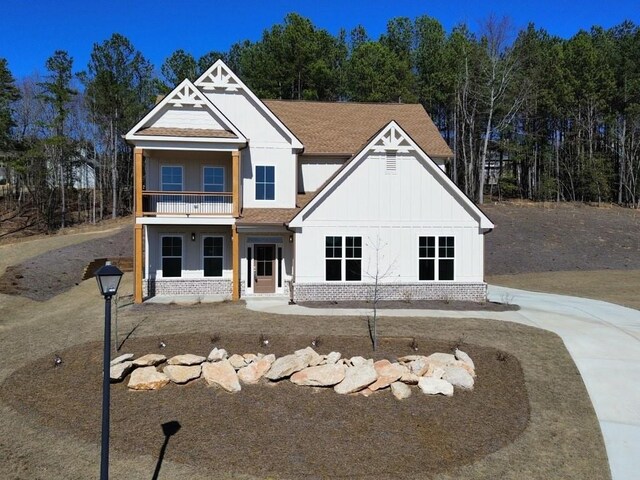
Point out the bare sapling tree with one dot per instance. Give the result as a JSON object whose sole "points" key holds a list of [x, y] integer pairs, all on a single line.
{"points": [[378, 268]]}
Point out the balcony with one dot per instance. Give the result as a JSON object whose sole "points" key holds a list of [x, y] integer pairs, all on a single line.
{"points": [[187, 203]]}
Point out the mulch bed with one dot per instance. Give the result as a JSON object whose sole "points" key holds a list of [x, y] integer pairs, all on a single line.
{"points": [[283, 430], [455, 305]]}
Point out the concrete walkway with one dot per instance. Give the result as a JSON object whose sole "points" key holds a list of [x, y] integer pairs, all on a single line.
{"points": [[602, 338]]}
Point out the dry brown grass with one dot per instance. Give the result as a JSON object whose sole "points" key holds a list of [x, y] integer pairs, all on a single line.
{"points": [[615, 286]]}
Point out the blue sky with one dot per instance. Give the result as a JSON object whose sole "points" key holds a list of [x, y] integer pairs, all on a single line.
{"points": [[30, 30]]}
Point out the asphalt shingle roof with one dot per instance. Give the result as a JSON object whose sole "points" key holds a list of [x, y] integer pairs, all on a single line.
{"points": [[341, 128]]}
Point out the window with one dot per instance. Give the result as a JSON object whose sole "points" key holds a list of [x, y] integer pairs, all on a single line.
{"points": [[348, 266], [265, 182], [333, 254], [429, 258], [445, 262], [353, 261], [171, 256], [213, 254], [213, 179], [171, 178]]}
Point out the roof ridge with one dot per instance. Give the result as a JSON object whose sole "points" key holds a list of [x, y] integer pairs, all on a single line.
{"points": [[338, 102]]}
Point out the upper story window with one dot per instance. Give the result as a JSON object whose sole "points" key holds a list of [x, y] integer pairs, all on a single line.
{"points": [[265, 182], [213, 179], [171, 178]]}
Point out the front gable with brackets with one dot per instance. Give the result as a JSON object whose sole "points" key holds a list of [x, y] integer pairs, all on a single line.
{"points": [[240, 104], [391, 181], [185, 116]]}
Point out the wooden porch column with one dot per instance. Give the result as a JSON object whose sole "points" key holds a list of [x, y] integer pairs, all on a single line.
{"points": [[235, 247], [137, 180], [138, 264], [235, 173]]}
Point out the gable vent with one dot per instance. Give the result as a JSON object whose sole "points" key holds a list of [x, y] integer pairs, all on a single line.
{"points": [[391, 163]]}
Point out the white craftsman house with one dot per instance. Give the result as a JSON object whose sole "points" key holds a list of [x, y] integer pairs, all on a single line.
{"points": [[237, 196]]}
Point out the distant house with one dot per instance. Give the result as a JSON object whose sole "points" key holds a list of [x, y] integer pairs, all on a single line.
{"points": [[237, 196]]}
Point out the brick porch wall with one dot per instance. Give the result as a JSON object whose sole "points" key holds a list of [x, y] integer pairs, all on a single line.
{"points": [[186, 286], [473, 292]]}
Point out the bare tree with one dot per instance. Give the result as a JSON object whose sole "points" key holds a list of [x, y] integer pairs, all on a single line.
{"points": [[378, 268], [498, 74]]}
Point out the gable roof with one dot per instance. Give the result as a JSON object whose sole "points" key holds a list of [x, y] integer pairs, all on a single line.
{"points": [[220, 76], [341, 128], [392, 138], [186, 95]]}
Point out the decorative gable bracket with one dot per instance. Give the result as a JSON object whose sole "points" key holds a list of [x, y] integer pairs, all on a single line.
{"points": [[218, 77], [186, 95], [392, 141]]}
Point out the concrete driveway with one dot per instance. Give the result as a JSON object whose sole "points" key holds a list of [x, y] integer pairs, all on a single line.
{"points": [[602, 338]]}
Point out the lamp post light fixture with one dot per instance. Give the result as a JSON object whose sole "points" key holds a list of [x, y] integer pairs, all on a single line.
{"points": [[108, 277]]}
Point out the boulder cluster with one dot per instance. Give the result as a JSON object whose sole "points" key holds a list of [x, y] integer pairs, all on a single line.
{"points": [[435, 374]]}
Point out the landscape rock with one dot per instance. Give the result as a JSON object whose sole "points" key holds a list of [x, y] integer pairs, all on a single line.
{"points": [[222, 374], [286, 366], [410, 378], [182, 373], [458, 377], [357, 361], [442, 359], [419, 367], [462, 356], [122, 358], [434, 371], [320, 376], [434, 386], [253, 372], [387, 374], [366, 392], [149, 360], [249, 358], [237, 361], [217, 354], [332, 358], [147, 378], [400, 390], [410, 358], [357, 378], [186, 359], [119, 371], [312, 357]]}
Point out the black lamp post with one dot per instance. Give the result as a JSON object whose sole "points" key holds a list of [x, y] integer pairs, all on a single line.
{"points": [[108, 277]]}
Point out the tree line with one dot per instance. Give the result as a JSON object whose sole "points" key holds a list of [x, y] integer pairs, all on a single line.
{"points": [[527, 114]]}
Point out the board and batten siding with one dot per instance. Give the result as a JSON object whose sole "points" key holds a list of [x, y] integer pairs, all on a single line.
{"points": [[192, 259], [192, 167], [313, 172], [393, 209], [186, 117], [248, 118]]}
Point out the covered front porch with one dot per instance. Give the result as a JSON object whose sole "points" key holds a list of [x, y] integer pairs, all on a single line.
{"points": [[203, 261]]}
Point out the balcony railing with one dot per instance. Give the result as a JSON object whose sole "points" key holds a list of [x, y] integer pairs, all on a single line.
{"points": [[187, 203]]}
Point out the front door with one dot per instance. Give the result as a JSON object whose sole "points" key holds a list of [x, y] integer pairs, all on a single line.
{"points": [[264, 268]]}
